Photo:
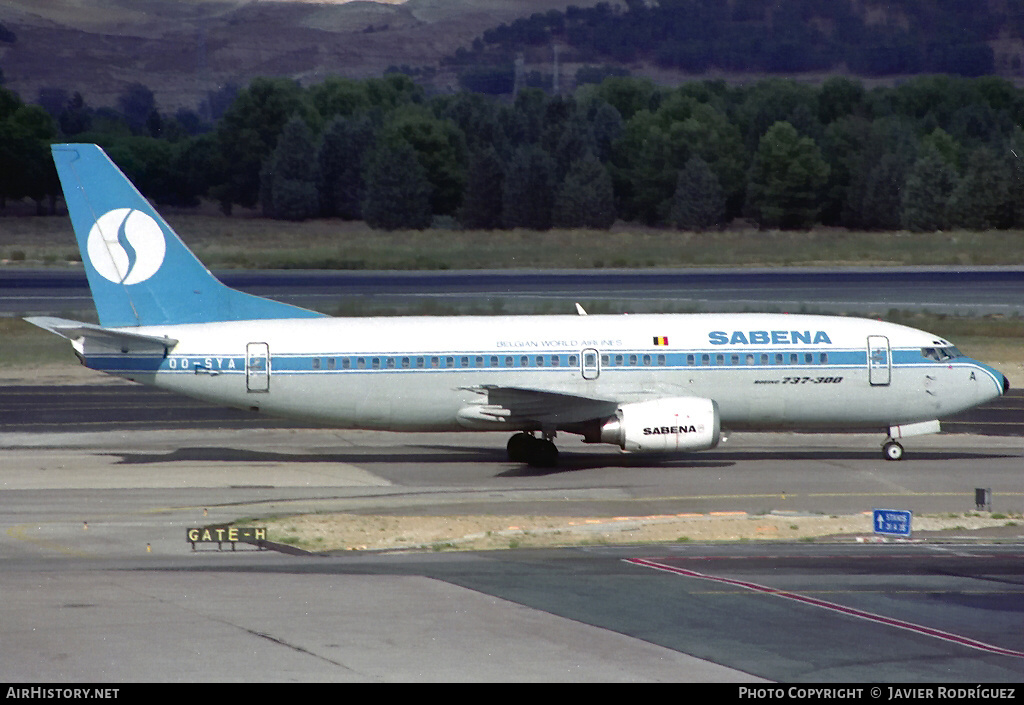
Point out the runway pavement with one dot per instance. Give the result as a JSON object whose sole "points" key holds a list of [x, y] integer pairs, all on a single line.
{"points": [[863, 290], [100, 584]]}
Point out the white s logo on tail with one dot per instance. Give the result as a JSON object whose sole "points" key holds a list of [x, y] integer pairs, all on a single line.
{"points": [[126, 246]]}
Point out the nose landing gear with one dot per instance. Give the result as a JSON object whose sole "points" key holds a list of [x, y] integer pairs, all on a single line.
{"points": [[536, 452], [892, 450]]}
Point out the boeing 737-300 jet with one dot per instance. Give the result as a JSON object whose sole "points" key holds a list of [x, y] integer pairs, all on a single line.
{"points": [[659, 383]]}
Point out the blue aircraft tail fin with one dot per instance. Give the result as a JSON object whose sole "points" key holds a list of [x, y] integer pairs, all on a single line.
{"points": [[139, 270]]}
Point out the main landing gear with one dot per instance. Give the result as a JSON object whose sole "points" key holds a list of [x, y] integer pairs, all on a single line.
{"points": [[892, 450], [536, 452]]}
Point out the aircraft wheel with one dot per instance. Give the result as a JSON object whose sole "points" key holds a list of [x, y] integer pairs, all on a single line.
{"points": [[519, 447], [892, 450], [543, 454]]}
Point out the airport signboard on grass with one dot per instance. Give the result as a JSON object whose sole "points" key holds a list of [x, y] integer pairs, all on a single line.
{"points": [[892, 522]]}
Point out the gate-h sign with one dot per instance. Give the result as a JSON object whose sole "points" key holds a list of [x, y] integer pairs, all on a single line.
{"points": [[226, 534], [893, 522]]}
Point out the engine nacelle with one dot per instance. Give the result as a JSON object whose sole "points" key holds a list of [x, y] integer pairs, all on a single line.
{"points": [[664, 425]]}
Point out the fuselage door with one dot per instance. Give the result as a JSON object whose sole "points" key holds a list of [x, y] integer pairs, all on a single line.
{"points": [[590, 364], [879, 361], [257, 367]]}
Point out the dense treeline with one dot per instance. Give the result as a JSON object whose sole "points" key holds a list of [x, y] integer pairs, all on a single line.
{"points": [[761, 36], [936, 152]]}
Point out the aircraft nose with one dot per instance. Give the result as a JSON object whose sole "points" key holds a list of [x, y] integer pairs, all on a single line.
{"points": [[1006, 384]]}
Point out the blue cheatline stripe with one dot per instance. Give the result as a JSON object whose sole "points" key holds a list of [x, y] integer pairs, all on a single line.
{"points": [[837, 360]]}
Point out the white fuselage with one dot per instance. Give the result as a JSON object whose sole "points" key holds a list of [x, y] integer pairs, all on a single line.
{"points": [[416, 374]]}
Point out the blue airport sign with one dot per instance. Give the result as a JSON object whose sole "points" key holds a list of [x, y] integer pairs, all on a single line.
{"points": [[893, 522]]}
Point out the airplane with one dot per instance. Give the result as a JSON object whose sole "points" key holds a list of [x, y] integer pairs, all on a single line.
{"points": [[651, 383]]}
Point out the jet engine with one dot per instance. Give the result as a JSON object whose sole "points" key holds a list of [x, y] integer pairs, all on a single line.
{"points": [[663, 425]]}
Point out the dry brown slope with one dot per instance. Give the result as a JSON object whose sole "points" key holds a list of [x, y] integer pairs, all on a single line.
{"points": [[182, 49]]}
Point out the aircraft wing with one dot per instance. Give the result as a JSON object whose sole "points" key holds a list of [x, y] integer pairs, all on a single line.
{"points": [[516, 407], [100, 337]]}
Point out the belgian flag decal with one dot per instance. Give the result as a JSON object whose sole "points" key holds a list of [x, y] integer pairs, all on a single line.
{"points": [[661, 340]]}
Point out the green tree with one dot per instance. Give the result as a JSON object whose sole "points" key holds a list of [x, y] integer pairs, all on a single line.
{"points": [[883, 192], [787, 178], [339, 97], [698, 203], [137, 103], [930, 184], [151, 165], [528, 192], [769, 102], [441, 149], [709, 135], [481, 206], [248, 132], [479, 118], [397, 190], [982, 199], [869, 201], [842, 146], [586, 198], [26, 168], [1015, 158], [625, 94], [76, 116], [839, 97], [944, 143], [288, 179], [341, 158]]}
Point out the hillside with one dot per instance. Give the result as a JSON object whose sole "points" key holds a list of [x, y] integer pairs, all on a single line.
{"points": [[183, 49]]}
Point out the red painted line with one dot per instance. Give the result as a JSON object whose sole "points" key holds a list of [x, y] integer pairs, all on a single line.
{"points": [[824, 604]]}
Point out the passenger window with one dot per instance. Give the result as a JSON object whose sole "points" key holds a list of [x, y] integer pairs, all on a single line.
{"points": [[632, 360], [332, 363], [735, 359], [750, 358], [719, 359], [479, 360], [539, 360], [691, 360], [375, 362], [449, 362], [346, 363], [361, 363], [661, 360], [823, 358], [405, 363], [705, 360], [316, 363], [419, 363], [794, 359], [435, 362], [524, 361], [764, 358], [618, 360], [647, 360], [779, 359], [556, 360], [573, 361], [465, 361], [509, 362], [808, 358]]}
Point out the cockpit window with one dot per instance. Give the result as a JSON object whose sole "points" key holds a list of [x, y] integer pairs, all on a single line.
{"points": [[941, 354]]}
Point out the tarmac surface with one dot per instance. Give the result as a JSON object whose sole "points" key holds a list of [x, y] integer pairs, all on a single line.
{"points": [[99, 583], [866, 290]]}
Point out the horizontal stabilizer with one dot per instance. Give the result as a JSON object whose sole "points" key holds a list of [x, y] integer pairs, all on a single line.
{"points": [[98, 336]]}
